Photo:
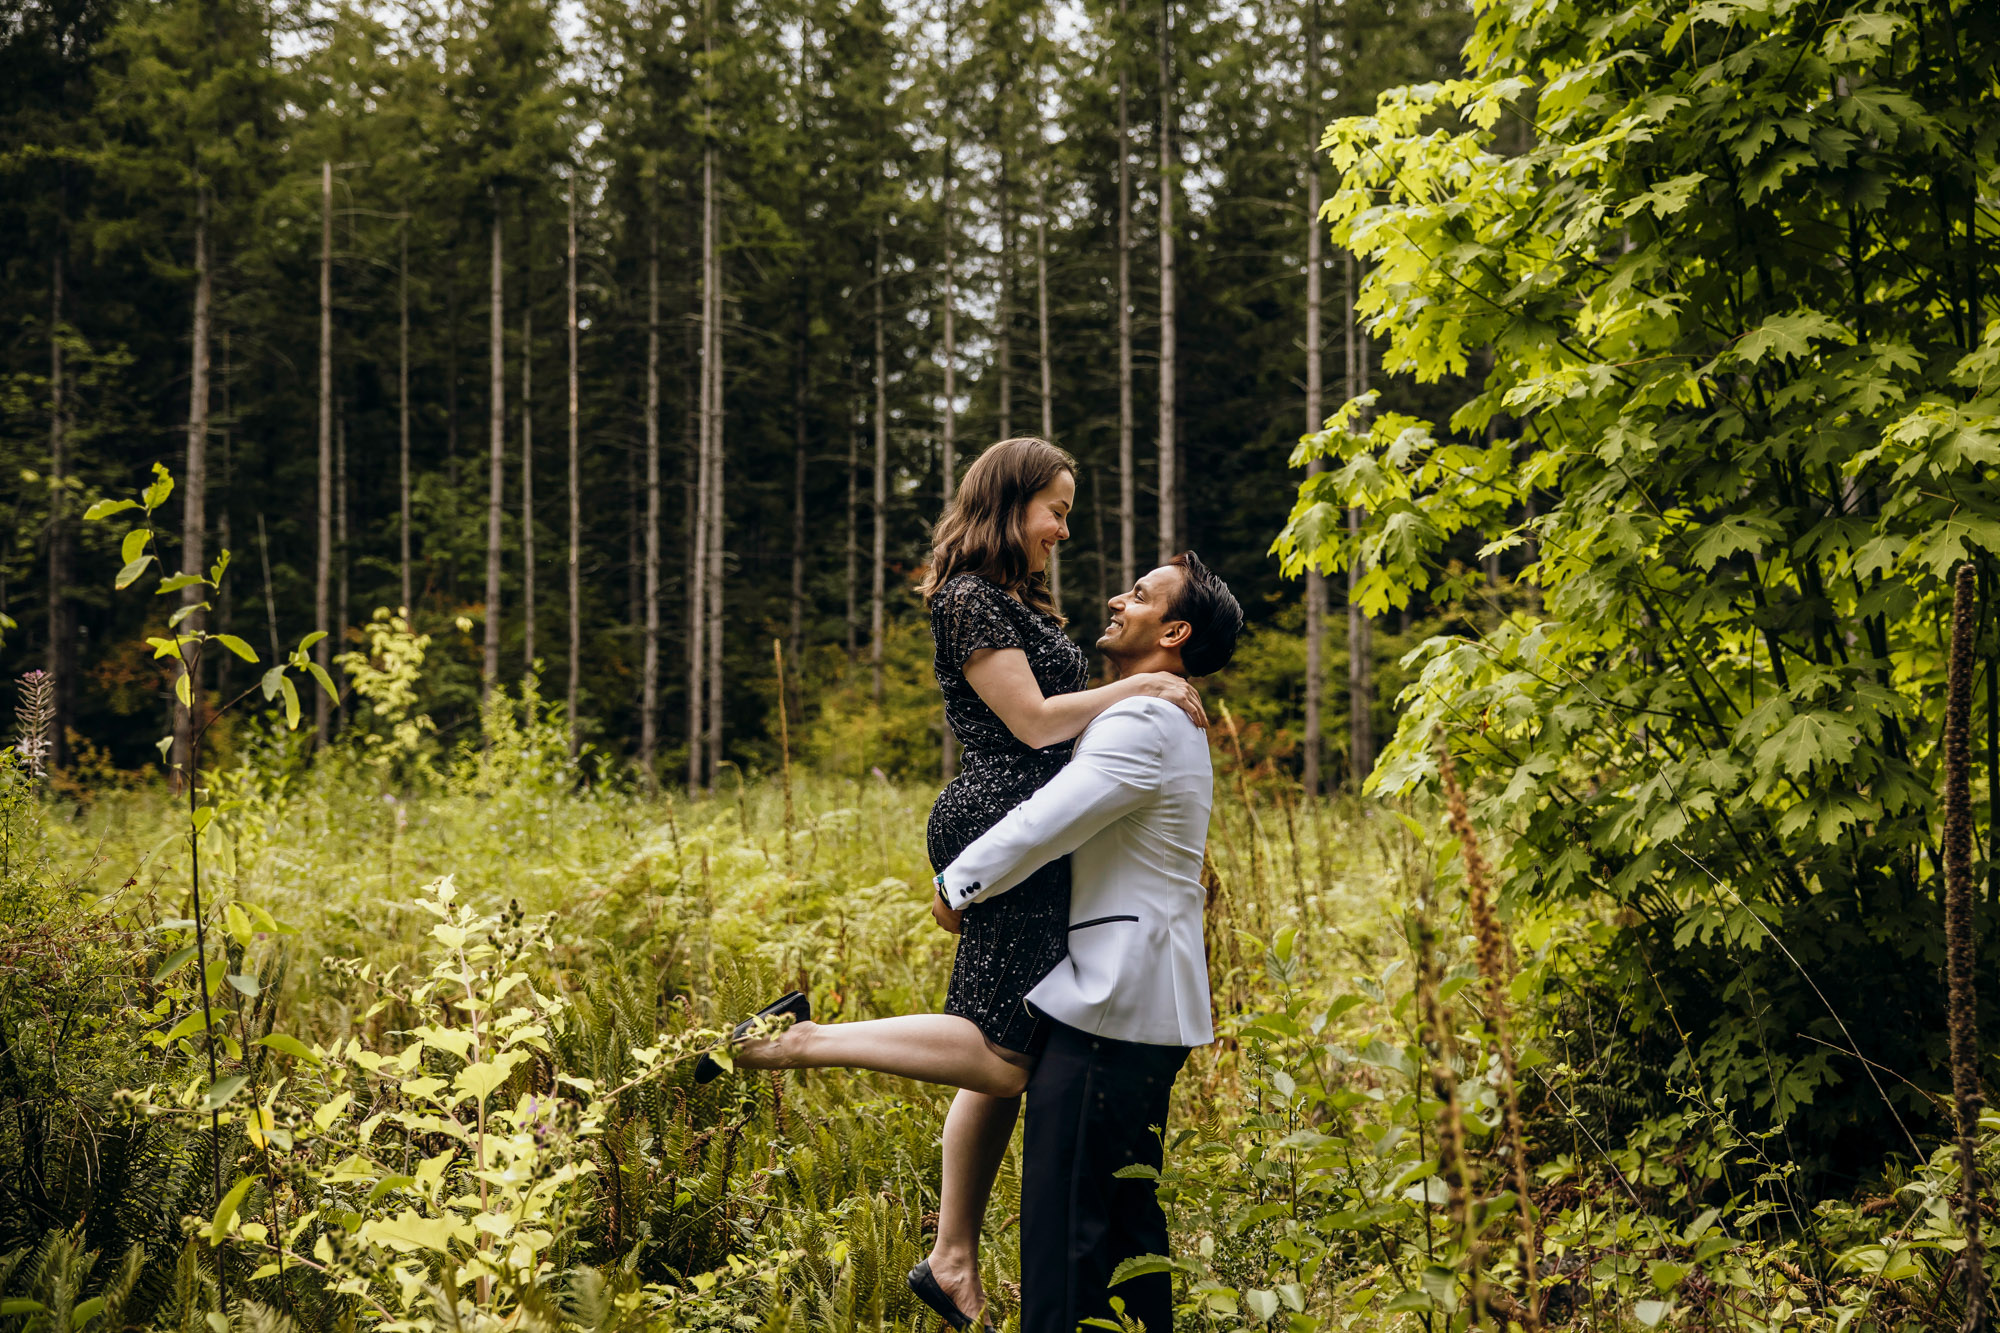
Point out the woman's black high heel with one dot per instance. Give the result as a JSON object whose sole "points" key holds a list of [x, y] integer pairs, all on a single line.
{"points": [[930, 1293], [793, 1002]]}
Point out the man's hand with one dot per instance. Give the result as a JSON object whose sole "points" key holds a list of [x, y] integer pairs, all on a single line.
{"points": [[944, 916]]}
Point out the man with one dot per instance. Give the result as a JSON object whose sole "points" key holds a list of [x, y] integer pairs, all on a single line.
{"points": [[1122, 1010]]}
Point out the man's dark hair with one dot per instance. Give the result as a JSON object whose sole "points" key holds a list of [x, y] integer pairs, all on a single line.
{"points": [[1211, 612]]}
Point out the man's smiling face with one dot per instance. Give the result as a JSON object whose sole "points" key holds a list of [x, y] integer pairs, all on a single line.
{"points": [[1139, 618]]}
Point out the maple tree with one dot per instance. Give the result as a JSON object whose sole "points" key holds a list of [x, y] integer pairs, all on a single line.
{"points": [[1740, 424]]}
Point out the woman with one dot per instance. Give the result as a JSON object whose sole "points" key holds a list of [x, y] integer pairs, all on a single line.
{"points": [[1014, 697]]}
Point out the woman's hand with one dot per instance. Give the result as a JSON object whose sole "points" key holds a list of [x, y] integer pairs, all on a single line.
{"points": [[1176, 691]]}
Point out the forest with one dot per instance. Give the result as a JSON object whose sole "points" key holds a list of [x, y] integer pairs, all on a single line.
{"points": [[469, 469]]}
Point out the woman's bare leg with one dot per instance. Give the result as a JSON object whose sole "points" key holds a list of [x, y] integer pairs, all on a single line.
{"points": [[976, 1132], [932, 1048]]}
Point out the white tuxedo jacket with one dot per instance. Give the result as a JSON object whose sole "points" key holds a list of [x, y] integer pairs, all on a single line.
{"points": [[1131, 812]]}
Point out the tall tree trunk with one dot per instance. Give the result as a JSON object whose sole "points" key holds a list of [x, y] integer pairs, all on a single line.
{"points": [[194, 477], [649, 674], [1003, 318], [880, 495], [1128, 481], [1168, 460], [323, 562], [697, 576], [451, 403], [1360, 629], [801, 392], [342, 590], [496, 461], [1045, 365], [948, 752], [225, 607], [527, 473], [403, 419], [1316, 600], [716, 506], [635, 558], [62, 630], [853, 525], [575, 501]]}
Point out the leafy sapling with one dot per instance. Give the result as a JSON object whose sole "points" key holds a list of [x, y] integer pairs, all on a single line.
{"points": [[186, 647]]}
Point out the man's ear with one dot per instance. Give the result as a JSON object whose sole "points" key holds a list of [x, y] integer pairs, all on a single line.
{"points": [[1176, 633]]}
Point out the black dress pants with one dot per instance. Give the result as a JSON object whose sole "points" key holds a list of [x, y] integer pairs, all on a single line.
{"points": [[1094, 1105]]}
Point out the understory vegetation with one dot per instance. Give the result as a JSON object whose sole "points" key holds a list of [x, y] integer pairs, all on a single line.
{"points": [[450, 1084]]}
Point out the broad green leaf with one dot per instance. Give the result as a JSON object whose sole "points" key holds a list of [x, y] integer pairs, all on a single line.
{"points": [[175, 582], [410, 1231], [291, 702], [86, 1311], [245, 986], [324, 1117], [1789, 337], [298, 1050], [481, 1080], [158, 489], [175, 962], [106, 508], [237, 646], [1650, 1313], [271, 681], [134, 545], [193, 1023], [133, 569], [223, 1091], [182, 690], [225, 1212]]}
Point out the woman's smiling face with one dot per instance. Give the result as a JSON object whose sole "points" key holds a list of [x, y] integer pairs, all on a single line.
{"points": [[1046, 521]]}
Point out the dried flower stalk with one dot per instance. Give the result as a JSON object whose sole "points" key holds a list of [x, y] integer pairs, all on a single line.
{"points": [[1962, 1007], [34, 717], [1454, 1163], [1495, 972]]}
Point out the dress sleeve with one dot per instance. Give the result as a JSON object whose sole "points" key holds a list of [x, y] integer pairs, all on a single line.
{"points": [[968, 614]]}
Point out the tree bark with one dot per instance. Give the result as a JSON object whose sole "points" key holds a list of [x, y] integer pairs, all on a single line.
{"points": [[342, 589], [496, 461], [575, 501], [194, 476], [1003, 320], [62, 629], [712, 757], [1168, 461], [1360, 629], [801, 397], [948, 752], [323, 563], [1316, 600], [881, 478], [649, 673], [1128, 481], [403, 418], [1045, 365], [527, 472], [853, 526], [697, 539]]}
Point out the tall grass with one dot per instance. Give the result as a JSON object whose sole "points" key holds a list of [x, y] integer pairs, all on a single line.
{"points": [[1303, 1175]]}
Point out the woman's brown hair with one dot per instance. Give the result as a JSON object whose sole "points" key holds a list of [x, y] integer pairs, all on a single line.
{"points": [[981, 532]]}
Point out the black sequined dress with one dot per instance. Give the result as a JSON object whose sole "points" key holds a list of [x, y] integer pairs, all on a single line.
{"points": [[1011, 942]]}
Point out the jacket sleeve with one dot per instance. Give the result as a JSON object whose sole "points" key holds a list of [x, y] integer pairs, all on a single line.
{"points": [[1115, 770]]}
